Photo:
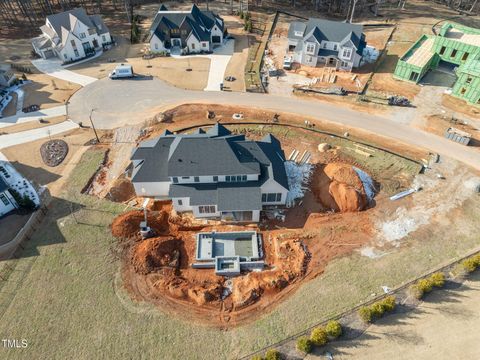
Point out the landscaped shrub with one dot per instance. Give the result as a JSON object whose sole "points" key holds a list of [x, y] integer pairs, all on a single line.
{"points": [[272, 354], [319, 336], [365, 314], [470, 264], [438, 279], [389, 303], [304, 344], [333, 329], [423, 286], [377, 309]]}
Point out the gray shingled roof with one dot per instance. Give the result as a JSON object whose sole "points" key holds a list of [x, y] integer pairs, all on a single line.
{"points": [[294, 27], [321, 29], [63, 19], [227, 196], [155, 161], [200, 21]]}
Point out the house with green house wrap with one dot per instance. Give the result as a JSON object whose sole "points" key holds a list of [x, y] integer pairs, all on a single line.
{"points": [[456, 45]]}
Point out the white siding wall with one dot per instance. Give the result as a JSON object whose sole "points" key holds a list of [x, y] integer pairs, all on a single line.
{"points": [[193, 44], [206, 46], [69, 51], [5, 209], [217, 32], [272, 186], [108, 38], [185, 204], [153, 189], [156, 45]]}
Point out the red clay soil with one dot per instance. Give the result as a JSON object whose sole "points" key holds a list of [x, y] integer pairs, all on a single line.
{"points": [[158, 270], [338, 187]]}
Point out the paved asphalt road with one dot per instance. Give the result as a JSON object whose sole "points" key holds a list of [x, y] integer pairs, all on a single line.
{"points": [[121, 102]]}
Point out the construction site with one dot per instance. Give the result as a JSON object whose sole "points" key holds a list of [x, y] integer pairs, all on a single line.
{"points": [[336, 187]]}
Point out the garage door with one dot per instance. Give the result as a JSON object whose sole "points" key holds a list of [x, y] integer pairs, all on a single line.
{"points": [[48, 54], [216, 39]]}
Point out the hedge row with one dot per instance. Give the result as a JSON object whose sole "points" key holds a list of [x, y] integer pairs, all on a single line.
{"points": [[377, 309], [319, 336], [423, 286], [468, 265]]}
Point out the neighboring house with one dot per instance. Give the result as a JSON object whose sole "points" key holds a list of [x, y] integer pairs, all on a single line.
{"points": [[194, 30], [7, 203], [332, 43], [7, 76], [213, 174], [71, 35], [454, 46]]}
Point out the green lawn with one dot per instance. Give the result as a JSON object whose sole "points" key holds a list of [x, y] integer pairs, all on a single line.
{"points": [[64, 294]]}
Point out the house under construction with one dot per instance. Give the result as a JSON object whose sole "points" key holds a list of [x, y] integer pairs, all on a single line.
{"points": [[456, 45]]}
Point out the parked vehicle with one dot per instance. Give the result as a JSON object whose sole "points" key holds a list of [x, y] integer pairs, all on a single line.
{"points": [[122, 71], [31, 108], [237, 116], [287, 62]]}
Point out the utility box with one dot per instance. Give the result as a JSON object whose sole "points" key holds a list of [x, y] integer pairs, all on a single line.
{"points": [[457, 135]]}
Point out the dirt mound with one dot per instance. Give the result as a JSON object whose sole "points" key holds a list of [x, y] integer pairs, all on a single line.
{"points": [[121, 190], [127, 225], [292, 261], [153, 254], [338, 187]]}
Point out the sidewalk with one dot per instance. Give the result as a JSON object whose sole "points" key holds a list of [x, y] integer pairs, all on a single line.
{"points": [[33, 116], [53, 67], [35, 134]]}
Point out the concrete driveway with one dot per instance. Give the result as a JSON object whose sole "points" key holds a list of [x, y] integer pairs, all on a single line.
{"points": [[118, 103], [53, 67], [22, 117]]}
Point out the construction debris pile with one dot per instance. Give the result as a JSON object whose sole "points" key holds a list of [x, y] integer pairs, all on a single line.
{"points": [[342, 187]]}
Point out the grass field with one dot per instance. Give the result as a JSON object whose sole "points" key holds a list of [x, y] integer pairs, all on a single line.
{"points": [[64, 294]]}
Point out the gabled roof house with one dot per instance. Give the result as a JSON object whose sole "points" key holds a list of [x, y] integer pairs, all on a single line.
{"points": [[328, 42], [193, 31], [214, 173], [71, 35]]}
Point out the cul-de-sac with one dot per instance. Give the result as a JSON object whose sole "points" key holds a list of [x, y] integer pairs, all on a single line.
{"points": [[240, 180]]}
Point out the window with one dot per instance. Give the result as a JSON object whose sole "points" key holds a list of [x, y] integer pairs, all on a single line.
{"points": [[335, 47], [244, 177], [179, 202], [65, 56], [204, 44], [463, 91], [73, 43], [186, 177], [309, 59], [344, 64], [442, 50], [82, 36], [310, 48], [104, 39], [239, 178], [227, 178], [454, 53], [207, 209], [175, 180], [414, 76], [298, 33], [193, 46], [4, 199], [184, 32], [156, 46], [272, 197], [76, 53], [196, 179], [469, 80], [347, 53], [215, 179], [324, 45], [465, 56]]}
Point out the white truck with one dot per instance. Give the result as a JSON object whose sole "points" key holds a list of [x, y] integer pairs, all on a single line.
{"points": [[122, 71], [287, 62]]}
